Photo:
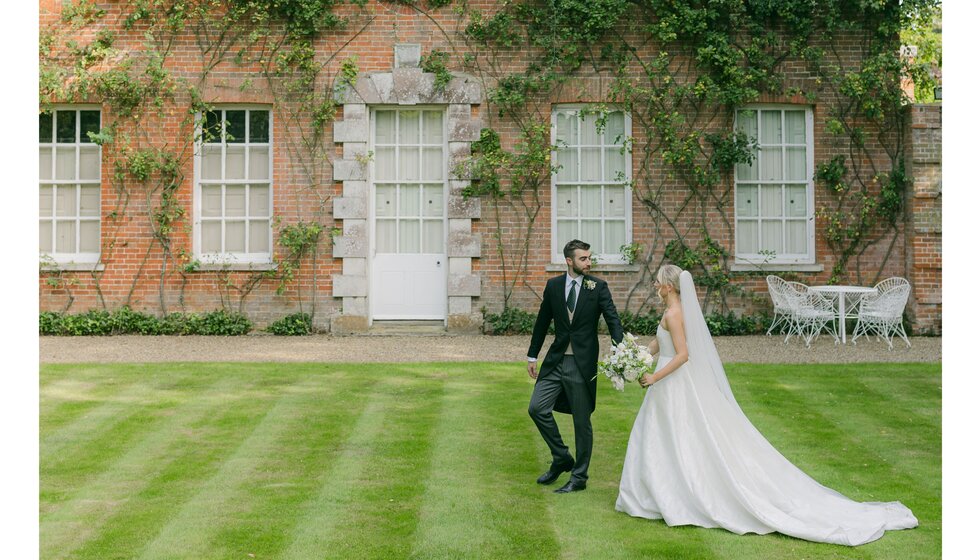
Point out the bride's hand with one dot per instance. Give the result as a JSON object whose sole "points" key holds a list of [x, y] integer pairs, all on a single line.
{"points": [[646, 380]]}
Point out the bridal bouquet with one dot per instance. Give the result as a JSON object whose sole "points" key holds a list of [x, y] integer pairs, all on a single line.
{"points": [[627, 362]]}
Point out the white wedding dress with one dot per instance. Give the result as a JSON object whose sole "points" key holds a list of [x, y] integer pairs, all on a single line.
{"points": [[695, 459]]}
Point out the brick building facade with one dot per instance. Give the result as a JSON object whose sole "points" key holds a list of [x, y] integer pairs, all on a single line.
{"points": [[386, 174]]}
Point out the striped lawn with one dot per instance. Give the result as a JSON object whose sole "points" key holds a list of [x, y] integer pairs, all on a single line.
{"points": [[305, 461]]}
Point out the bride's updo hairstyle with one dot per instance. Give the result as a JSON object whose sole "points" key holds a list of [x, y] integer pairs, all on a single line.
{"points": [[670, 275]]}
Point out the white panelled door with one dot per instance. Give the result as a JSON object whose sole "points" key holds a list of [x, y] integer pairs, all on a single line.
{"points": [[409, 268]]}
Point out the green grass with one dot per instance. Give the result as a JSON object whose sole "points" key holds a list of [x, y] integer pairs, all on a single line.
{"points": [[306, 461]]}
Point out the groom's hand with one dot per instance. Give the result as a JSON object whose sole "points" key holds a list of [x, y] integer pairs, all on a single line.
{"points": [[532, 370]]}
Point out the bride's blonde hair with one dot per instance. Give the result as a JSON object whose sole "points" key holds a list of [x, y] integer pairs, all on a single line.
{"points": [[670, 275]]}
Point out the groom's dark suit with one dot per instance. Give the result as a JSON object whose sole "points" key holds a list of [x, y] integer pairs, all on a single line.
{"points": [[566, 382]]}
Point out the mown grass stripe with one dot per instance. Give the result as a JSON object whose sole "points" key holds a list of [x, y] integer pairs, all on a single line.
{"points": [[382, 520], [76, 520], [471, 487], [315, 528], [189, 532], [264, 507]]}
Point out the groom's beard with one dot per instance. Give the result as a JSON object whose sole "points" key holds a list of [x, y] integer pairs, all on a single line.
{"points": [[581, 271]]}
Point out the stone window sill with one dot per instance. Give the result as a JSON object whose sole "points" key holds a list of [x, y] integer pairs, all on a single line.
{"points": [[236, 267], [772, 267], [597, 268], [73, 267]]}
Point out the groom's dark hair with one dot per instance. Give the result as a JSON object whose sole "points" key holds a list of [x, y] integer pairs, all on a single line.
{"points": [[575, 244]]}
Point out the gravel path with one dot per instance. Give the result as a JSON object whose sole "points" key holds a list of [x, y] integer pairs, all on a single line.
{"points": [[438, 348]]}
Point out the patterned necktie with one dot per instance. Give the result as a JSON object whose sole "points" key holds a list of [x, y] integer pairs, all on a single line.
{"points": [[570, 302]]}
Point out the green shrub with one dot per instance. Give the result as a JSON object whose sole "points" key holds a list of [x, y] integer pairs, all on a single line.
{"points": [[127, 321], [49, 323], [91, 323], [292, 325], [639, 324], [511, 320]]}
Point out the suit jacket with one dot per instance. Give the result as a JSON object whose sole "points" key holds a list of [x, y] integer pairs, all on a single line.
{"points": [[582, 331]]}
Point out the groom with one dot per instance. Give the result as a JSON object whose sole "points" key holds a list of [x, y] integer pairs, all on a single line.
{"points": [[567, 381]]}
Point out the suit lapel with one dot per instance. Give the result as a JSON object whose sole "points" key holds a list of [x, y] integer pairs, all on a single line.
{"points": [[580, 303], [562, 309]]}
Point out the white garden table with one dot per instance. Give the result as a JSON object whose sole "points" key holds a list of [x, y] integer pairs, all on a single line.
{"points": [[845, 309]]}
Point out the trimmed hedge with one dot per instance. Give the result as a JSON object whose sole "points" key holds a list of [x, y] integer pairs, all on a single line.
{"points": [[127, 321], [517, 321]]}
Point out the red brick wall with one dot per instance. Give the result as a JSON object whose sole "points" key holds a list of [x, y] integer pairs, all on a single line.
{"points": [[133, 265]]}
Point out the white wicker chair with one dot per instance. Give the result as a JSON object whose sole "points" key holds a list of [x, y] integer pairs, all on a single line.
{"points": [[880, 313], [782, 312], [813, 315]]}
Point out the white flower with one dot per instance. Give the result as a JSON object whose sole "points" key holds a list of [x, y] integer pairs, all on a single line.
{"points": [[648, 360], [590, 284], [627, 361], [618, 383]]}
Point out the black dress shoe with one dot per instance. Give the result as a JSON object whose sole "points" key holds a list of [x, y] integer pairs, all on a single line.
{"points": [[552, 475], [571, 486]]}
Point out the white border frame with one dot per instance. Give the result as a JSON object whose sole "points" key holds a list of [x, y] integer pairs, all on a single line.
{"points": [[233, 258], [784, 258], [556, 247]]}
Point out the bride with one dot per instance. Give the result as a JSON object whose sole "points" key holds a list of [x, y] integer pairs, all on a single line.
{"points": [[694, 458]]}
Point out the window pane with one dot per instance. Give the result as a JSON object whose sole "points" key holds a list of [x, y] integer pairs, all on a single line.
{"points": [[747, 201], [567, 202], [211, 127], [89, 201], [211, 162], [796, 237], [770, 164], [591, 198], [88, 162], [615, 236], [90, 123], [796, 203], [387, 236], [409, 202], [65, 236], [258, 126], [771, 200], [384, 164], [796, 127], [796, 164], [432, 164], [747, 171], [258, 163], [65, 201], [234, 162], [235, 127], [747, 122], [258, 201], [615, 128], [772, 128], [432, 236], [566, 124], [615, 200], [65, 121], [566, 160], [44, 164], [45, 125], [432, 127], [234, 200], [408, 236], [211, 201], [384, 201], [567, 230], [591, 164], [89, 236], [46, 202], [615, 165], [408, 131], [432, 200], [591, 232], [747, 237], [211, 236], [772, 235], [589, 133], [64, 166], [45, 236], [384, 127], [408, 164], [234, 237], [258, 236]]}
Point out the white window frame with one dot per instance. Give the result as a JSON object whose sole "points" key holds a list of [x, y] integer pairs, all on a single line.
{"points": [[780, 258], [558, 245], [232, 258], [76, 257]]}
